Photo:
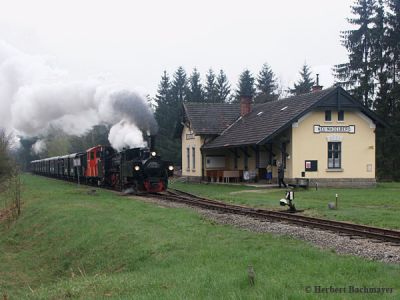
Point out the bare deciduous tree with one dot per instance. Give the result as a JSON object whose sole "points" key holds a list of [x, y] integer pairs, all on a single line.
{"points": [[10, 186], [6, 165]]}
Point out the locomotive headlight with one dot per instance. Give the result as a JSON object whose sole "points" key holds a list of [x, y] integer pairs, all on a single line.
{"points": [[137, 168], [171, 168], [153, 153]]}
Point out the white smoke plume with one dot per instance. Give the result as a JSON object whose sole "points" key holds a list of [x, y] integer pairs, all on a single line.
{"points": [[124, 133], [39, 146], [35, 96]]}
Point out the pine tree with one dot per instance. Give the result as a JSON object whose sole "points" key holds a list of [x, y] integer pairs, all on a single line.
{"points": [[164, 101], [372, 73], [245, 85], [393, 38], [223, 88], [305, 83], [179, 87], [168, 114], [266, 85], [393, 43], [379, 61], [357, 74], [195, 92], [387, 102], [164, 90], [210, 93]]}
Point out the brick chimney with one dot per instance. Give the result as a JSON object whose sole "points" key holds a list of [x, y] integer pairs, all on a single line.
{"points": [[317, 87], [245, 105]]}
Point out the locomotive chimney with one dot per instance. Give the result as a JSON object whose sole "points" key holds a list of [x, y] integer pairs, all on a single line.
{"points": [[245, 105], [150, 139], [317, 87], [152, 143]]}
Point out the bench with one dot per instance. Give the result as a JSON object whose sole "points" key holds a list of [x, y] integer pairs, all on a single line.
{"points": [[231, 174]]}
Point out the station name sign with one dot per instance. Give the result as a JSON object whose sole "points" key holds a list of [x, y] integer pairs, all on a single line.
{"points": [[190, 136], [334, 129]]}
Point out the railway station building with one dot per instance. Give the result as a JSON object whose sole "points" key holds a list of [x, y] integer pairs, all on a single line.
{"points": [[324, 137]]}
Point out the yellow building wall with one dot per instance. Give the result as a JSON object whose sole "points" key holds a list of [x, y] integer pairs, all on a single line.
{"points": [[189, 140], [358, 149]]}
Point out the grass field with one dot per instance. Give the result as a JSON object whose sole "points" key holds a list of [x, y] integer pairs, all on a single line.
{"points": [[378, 206], [69, 244]]}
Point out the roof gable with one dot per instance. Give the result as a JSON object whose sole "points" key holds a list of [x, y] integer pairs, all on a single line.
{"points": [[339, 99]]}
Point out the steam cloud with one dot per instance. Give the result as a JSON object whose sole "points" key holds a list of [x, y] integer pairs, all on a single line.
{"points": [[35, 96], [39, 146]]}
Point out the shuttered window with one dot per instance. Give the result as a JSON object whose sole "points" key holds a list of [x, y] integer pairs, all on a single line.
{"points": [[193, 158], [188, 158], [334, 155]]}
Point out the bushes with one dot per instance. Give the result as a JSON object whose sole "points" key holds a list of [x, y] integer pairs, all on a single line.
{"points": [[6, 165], [10, 187]]}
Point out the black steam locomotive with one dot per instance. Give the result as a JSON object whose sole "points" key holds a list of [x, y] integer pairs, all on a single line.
{"points": [[136, 169]]}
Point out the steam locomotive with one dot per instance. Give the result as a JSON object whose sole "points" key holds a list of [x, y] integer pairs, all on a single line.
{"points": [[135, 169]]}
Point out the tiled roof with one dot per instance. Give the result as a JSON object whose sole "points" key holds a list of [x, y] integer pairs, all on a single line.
{"points": [[266, 119], [211, 118]]}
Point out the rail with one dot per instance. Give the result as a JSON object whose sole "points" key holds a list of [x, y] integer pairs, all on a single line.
{"points": [[350, 229]]}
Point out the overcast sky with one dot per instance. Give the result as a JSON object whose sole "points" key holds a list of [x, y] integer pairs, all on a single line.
{"points": [[134, 41]]}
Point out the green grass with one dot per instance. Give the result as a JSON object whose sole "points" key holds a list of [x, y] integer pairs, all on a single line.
{"points": [[69, 244], [378, 206]]}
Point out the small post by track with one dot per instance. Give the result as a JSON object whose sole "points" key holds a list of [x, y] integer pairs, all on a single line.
{"points": [[373, 233]]}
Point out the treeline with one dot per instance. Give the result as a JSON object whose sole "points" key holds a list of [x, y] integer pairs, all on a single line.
{"points": [[215, 88], [57, 142], [372, 72]]}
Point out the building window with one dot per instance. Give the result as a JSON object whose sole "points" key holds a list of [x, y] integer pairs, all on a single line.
{"points": [[340, 115], [193, 158], [188, 158], [328, 116], [334, 155]]}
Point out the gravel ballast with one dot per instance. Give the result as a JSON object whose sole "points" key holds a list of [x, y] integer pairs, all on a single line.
{"points": [[341, 244]]}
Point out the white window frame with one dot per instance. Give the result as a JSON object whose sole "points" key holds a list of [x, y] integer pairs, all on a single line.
{"points": [[188, 158], [338, 160], [193, 158]]}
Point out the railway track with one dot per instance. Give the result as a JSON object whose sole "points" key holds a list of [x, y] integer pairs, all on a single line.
{"points": [[352, 230]]}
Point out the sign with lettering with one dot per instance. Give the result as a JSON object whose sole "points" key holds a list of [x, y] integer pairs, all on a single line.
{"points": [[190, 136], [77, 162], [334, 129], [311, 165]]}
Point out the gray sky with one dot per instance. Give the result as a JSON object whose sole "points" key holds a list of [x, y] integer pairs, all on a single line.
{"points": [[134, 41]]}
